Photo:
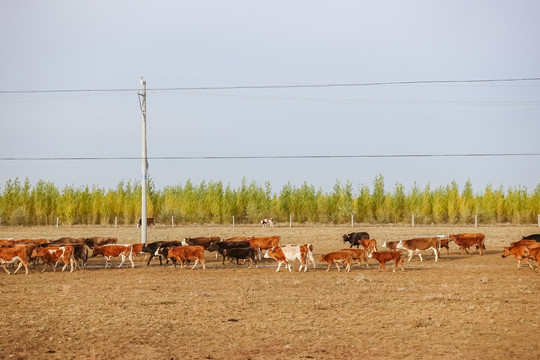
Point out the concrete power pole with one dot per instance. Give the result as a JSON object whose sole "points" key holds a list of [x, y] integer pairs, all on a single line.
{"points": [[144, 179]]}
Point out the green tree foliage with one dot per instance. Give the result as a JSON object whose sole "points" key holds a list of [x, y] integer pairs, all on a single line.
{"points": [[22, 203]]}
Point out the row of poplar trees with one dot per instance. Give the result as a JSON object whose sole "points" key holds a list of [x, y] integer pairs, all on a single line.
{"points": [[42, 203]]}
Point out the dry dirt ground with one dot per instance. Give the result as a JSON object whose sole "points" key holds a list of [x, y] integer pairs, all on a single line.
{"points": [[462, 307]]}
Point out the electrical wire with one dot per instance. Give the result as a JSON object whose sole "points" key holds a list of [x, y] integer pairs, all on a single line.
{"points": [[269, 157], [291, 86]]}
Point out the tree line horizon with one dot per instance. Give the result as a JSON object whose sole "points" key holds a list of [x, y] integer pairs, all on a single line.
{"points": [[42, 203]]}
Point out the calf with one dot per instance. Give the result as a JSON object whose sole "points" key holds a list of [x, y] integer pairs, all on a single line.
{"points": [[384, 257], [115, 250], [520, 252], [355, 237], [464, 241], [221, 246], [269, 222], [336, 258], [415, 246], [155, 249], [205, 242], [12, 255], [278, 255], [51, 255], [183, 253], [241, 253], [358, 254]]}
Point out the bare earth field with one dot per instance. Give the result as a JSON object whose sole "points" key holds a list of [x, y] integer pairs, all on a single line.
{"points": [[462, 307]]}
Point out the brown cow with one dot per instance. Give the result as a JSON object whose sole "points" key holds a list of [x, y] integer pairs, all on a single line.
{"points": [[150, 222], [383, 257], [205, 242], [534, 254], [520, 252], [183, 253], [100, 241], [264, 243], [115, 250], [13, 254], [414, 246], [67, 241], [464, 241], [336, 258], [53, 254], [358, 254]]}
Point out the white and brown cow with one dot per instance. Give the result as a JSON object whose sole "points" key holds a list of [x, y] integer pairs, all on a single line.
{"points": [[115, 250], [289, 253], [51, 255], [12, 255], [267, 222], [415, 246]]}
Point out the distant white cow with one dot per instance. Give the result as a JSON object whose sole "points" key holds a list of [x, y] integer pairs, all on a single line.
{"points": [[269, 222]]}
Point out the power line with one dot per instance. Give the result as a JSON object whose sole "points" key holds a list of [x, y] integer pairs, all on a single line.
{"points": [[269, 157], [290, 86]]}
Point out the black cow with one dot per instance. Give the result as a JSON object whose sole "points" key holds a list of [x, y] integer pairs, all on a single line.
{"points": [[155, 249], [227, 245], [355, 237], [241, 253], [531, 237], [80, 251]]}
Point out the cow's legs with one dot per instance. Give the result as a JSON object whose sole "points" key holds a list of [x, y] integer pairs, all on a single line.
{"points": [[410, 255], [420, 256], [123, 257], [196, 262], [131, 260], [5, 268], [348, 268], [18, 267], [337, 265], [65, 265]]}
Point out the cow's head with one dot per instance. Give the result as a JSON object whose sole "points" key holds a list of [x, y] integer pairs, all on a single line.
{"points": [[400, 245], [213, 247], [370, 254], [451, 238], [346, 237], [506, 252]]}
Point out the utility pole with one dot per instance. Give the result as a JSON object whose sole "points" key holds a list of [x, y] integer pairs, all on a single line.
{"points": [[144, 179]]}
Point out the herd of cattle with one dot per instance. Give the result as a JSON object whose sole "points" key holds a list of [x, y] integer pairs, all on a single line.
{"points": [[74, 252]]}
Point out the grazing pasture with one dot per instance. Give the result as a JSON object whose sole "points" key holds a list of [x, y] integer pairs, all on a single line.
{"points": [[463, 306]]}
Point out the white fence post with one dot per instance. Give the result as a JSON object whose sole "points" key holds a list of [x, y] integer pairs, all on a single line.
{"points": [[352, 220], [172, 221], [57, 223], [538, 220], [290, 220], [233, 221], [412, 220], [475, 220]]}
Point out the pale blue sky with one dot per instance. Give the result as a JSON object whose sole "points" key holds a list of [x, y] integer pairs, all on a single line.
{"points": [[109, 44]]}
